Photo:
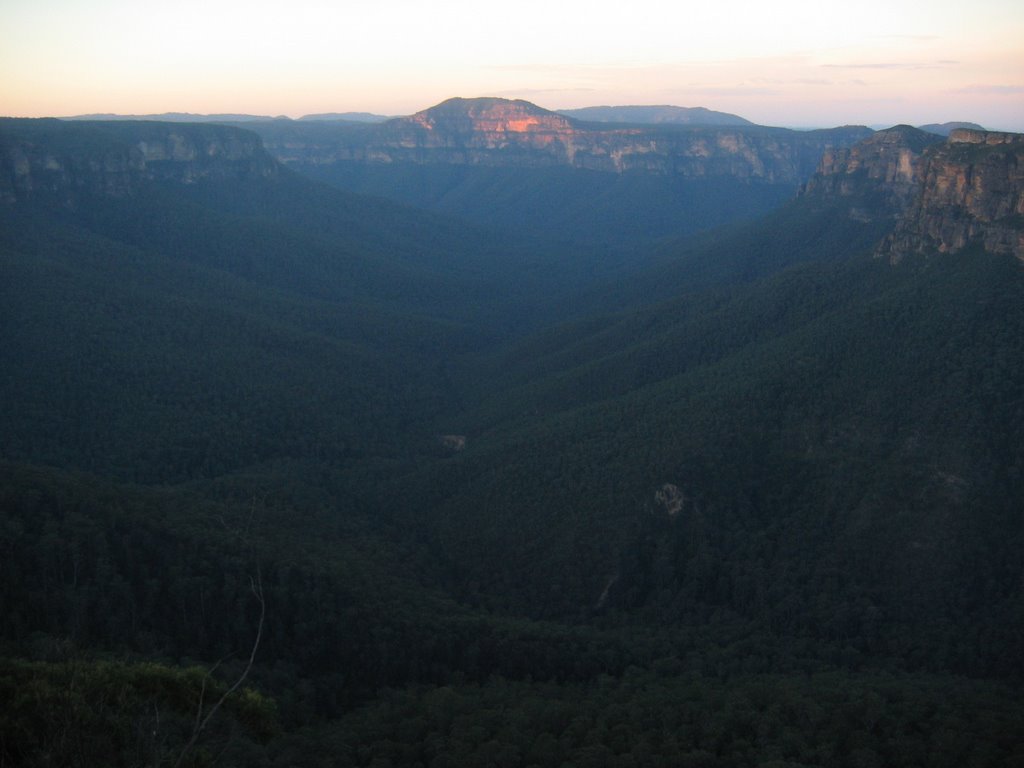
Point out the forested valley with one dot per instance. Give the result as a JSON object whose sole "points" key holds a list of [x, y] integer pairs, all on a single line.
{"points": [[295, 476]]}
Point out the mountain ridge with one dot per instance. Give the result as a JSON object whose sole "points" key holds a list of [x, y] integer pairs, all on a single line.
{"points": [[496, 132]]}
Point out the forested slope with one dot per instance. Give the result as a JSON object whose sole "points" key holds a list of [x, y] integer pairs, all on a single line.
{"points": [[856, 420]]}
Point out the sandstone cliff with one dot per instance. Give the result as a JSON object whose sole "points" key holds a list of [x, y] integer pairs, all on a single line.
{"points": [[876, 178], [500, 132], [942, 195], [55, 158], [971, 193]]}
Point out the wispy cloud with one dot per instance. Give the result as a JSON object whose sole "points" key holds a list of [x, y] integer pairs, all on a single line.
{"points": [[519, 92], [793, 81], [724, 90], [992, 90], [893, 65], [548, 68], [923, 38]]}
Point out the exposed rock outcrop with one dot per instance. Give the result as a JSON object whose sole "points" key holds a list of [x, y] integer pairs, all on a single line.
{"points": [[454, 443], [971, 194], [63, 159], [942, 195], [878, 177], [671, 499]]}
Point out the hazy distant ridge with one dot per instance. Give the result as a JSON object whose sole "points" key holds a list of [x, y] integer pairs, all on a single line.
{"points": [[179, 117], [655, 115], [944, 129], [351, 117]]}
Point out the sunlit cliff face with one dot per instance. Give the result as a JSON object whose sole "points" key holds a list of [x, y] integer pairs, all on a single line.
{"points": [[490, 124], [515, 117], [497, 116]]}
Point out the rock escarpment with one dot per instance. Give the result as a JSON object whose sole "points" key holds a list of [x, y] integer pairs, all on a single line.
{"points": [[942, 195], [500, 132], [64, 159], [876, 178], [971, 194]]}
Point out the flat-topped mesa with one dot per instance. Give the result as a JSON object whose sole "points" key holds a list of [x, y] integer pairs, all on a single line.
{"points": [[971, 194], [990, 138], [63, 159], [486, 124], [490, 115]]}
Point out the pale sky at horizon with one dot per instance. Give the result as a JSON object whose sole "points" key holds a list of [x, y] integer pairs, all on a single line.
{"points": [[785, 63]]}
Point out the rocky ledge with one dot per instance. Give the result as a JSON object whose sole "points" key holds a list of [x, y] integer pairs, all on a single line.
{"points": [[56, 158]]}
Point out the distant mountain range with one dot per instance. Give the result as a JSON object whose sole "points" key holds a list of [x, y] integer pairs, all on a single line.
{"points": [[502, 132], [652, 115], [352, 117], [178, 117], [612, 175], [633, 114]]}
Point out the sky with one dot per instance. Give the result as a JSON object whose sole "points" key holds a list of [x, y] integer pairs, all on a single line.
{"points": [[801, 64]]}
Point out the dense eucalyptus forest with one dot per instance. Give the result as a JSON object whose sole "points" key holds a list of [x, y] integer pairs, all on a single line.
{"points": [[291, 475]]}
